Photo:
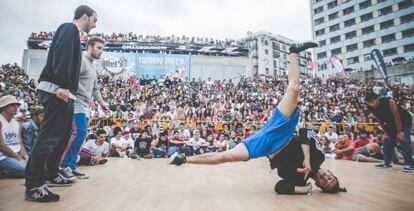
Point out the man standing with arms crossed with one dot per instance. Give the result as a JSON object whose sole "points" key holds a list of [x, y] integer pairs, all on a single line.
{"points": [[58, 85], [88, 87]]}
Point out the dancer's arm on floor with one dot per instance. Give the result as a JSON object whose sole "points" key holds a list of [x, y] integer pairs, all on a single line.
{"points": [[304, 144]]}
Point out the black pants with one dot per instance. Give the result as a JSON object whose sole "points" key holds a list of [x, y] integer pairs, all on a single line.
{"points": [[53, 138]]}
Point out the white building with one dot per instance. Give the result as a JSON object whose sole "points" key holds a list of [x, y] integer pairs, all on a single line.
{"points": [[351, 29], [269, 54]]}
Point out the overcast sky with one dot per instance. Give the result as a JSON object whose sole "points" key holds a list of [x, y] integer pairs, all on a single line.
{"points": [[218, 19]]}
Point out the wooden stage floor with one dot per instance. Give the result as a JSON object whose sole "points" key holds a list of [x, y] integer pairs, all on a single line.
{"points": [[125, 184]]}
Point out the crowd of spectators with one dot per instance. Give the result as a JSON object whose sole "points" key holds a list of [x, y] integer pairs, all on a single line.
{"points": [[132, 37], [155, 118]]}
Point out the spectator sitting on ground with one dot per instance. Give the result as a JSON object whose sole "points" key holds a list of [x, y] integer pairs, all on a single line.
{"points": [[196, 144], [30, 128], [131, 143], [95, 150], [176, 143], [363, 140], [13, 157], [368, 153], [142, 148], [221, 143], [331, 135], [159, 144], [119, 146], [344, 148]]}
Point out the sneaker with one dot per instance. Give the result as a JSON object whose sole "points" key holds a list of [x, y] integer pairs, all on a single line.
{"points": [[298, 47], [408, 168], [58, 181], [80, 175], [67, 174], [383, 166], [41, 194], [177, 159], [102, 161]]}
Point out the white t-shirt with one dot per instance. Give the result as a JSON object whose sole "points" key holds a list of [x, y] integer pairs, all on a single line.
{"points": [[97, 149], [198, 143], [10, 134], [331, 137], [121, 142]]}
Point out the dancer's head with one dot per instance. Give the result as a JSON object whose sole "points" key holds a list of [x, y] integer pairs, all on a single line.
{"points": [[328, 182], [85, 18], [372, 100]]}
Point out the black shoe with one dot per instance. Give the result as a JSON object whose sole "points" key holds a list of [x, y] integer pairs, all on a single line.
{"points": [[298, 47], [383, 166], [58, 181], [408, 168], [67, 174], [177, 159], [40, 194], [80, 175]]}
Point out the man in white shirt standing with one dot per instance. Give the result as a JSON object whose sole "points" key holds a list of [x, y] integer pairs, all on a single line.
{"points": [[13, 157]]}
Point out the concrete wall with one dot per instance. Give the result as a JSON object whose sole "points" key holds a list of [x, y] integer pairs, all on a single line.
{"points": [[219, 68], [403, 73]]}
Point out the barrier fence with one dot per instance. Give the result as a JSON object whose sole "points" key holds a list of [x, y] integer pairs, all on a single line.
{"points": [[224, 125]]}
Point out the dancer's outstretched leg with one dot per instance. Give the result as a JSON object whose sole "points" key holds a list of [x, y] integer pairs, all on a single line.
{"points": [[273, 135]]}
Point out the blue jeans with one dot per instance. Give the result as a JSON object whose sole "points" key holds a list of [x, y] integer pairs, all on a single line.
{"points": [[405, 146], [172, 150], [79, 132], [13, 167]]}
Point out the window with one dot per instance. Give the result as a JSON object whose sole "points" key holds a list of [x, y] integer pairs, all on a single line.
{"points": [[350, 35], [322, 43], [388, 38], [285, 56], [380, 1], [389, 52], [387, 24], [266, 52], [367, 57], [368, 43], [407, 18], [332, 4], [349, 22], [353, 60], [274, 63], [284, 47], [408, 33], [276, 46], [385, 11], [348, 10], [408, 48], [352, 47], [321, 55], [335, 39], [267, 70], [318, 10], [320, 32], [316, 1], [336, 51], [319, 21], [366, 17], [333, 16], [334, 28], [405, 4], [276, 54], [365, 4], [368, 29], [266, 43]]}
